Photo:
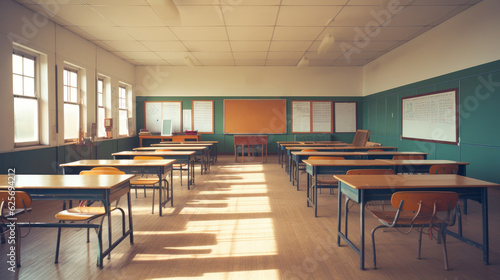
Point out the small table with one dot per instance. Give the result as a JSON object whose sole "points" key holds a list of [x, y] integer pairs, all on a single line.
{"points": [[186, 157], [251, 141], [363, 188], [130, 166], [105, 188]]}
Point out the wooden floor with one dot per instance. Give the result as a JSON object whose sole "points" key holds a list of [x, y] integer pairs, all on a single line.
{"points": [[247, 221]]}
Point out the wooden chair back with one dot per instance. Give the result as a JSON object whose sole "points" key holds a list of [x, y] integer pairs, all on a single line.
{"points": [[147, 157], [407, 157], [21, 199], [325, 158], [102, 172], [444, 169], [309, 150], [375, 150], [427, 202], [370, 172], [111, 168]]}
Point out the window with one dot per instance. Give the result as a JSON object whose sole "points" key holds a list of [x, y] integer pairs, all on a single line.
{"points": [[123, 111], [101, 112], [26, 103], [71, 105]]}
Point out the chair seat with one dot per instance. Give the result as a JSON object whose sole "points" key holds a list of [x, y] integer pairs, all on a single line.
{"points": [[404, 218], [144, 181], [81, 213], [329, 182]]}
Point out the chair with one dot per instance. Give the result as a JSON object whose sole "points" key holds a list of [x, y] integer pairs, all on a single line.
{"points": [[408, 157], [375, 150], [300, 165], [326, 182], [419, 209], [443, 169], [178, 166], [146, 182], [86, 213], [22, 202]]}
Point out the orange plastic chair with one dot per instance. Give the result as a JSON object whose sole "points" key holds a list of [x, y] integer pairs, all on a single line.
{"points": [[145, 182], [85, 213], [418, 209], [443, 169], [177, 166], [324, 182], [375, 150], [370, 172], [22, 203]]}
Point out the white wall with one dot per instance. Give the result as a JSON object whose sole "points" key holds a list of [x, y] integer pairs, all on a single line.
{"points": [[248, 81], [20, 25], [466, 40]]}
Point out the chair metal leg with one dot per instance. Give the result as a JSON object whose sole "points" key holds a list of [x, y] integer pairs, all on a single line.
{"points": [[58, 244], [420, 242], [373, 245], [445, 252]]}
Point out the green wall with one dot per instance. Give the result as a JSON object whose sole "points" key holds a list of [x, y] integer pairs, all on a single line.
{"points": [[46, 160], [226, 141], [479, 117]]}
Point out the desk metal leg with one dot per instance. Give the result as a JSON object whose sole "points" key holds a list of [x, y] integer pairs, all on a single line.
{"points": [[484, 209]]}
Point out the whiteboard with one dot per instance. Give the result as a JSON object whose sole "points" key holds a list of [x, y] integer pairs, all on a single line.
{"points": [[301, 116], [203, 116], [345, 117], [430, 117], [157, 111], [322, 116]]}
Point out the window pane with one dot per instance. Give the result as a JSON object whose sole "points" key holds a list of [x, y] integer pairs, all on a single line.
{"points": [[74, 95], [25, 120], [123, 126], [71, 121], [100, 86], [29, 86], [73, 81], [101, 130], [17, 64], [29, 67], [18, 84], [65, 77], [99, 100]]}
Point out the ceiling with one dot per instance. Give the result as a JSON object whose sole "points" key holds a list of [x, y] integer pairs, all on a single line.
{"points": [[249, 32]]}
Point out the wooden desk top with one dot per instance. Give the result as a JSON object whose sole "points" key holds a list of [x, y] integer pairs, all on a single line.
{"points": [[64, 181], [412, 181], [190, 142], [199, 148], [340, 148], [315, 145], [378, 162], [182, 145], [154, 153], [319, 153], [118, 162]]}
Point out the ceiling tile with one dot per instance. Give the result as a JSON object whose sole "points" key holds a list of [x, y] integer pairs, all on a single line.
{"points": [[252, 62], [82, 15], [141, 55], [109, 32], [213, 55], [210, 46], [250, 15], [161, 46], [127, 46], [250, 33], [285, 55], [289, 46], [296, 33], [201, 16], [130, 15], [314, 2], [250, 55], [150, 33], [241, 46], [307, 15], [421, 15], [200, 33]]}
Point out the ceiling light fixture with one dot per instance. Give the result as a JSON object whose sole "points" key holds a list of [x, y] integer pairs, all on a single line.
{"points": [[166, 10], [303, 63], [326, 43]]}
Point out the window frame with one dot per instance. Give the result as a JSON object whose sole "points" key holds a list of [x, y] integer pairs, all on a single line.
{"points": [[78, 97], [101, 98], [122, 106], [36, 93]]}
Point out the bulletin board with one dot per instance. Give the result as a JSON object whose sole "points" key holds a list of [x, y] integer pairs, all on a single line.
{"points": [[203, 116], [254, 116], [431, 117], [312, 116], [346, 120], [157, 111]]}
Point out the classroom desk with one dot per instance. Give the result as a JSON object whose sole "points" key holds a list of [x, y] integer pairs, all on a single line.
{"points": [[298, 157], [105, 188], [130, 166], [251, 141], [202, 151], [344, 148], [281, 151], [322, 167], [183, 157], [364, 188], [213, 147], [174, 138]]}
